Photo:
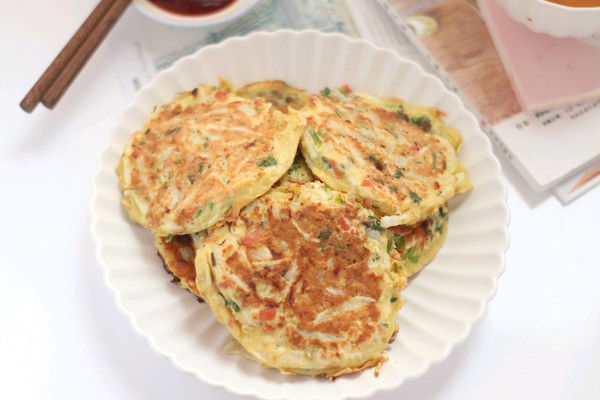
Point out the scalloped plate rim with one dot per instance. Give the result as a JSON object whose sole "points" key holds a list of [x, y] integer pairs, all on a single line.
{"points": [[132, 318]]}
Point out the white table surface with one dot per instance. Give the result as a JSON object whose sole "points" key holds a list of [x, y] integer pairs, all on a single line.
{"points": [[61, 335]]}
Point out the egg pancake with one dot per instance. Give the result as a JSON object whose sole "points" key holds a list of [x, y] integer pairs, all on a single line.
{"points": [[278, 93], [414, 246], [382, 157], [202, 157], [303, 281]]}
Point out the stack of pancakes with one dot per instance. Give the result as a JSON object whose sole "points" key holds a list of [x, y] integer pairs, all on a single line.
{"points": [[298, 218]]}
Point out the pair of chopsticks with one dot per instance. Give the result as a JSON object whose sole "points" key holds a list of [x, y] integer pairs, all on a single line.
{"points": [[58, 76]]}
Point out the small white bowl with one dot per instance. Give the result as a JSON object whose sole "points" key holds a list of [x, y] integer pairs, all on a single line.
{"points": [[232, 11], [554, 19]]}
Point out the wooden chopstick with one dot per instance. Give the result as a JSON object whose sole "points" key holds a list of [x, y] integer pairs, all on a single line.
{"points": [[51, 73], [69, 72]]}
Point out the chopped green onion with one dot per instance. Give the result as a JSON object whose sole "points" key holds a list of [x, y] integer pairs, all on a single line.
{"points": [[173, 130], [422, 122], [315, 136], [339, 113], [415, 197], [267, 162], [293, 168], [324, 235], [233, 305], [169, 238], [393, 299], [399, 241], [399, 173], [325, 91], [230, 303], [402, 116], [373, 223], [410, 256]]}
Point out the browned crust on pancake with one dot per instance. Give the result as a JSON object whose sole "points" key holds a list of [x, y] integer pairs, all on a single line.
{"points": [[183, 271], [313, 275]]}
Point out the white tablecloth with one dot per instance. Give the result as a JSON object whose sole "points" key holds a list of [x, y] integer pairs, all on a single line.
{"points": [[62, 337]]}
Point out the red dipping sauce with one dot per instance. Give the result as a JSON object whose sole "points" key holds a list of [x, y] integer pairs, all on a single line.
{"points": [[192, 7]]}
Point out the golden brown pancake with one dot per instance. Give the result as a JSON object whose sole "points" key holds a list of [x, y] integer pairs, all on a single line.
{"points": [[202, 157], [303, 281], [378, 155]]}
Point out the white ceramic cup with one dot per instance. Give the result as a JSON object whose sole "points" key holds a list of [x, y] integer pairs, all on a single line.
{"points": [[554, 19]]}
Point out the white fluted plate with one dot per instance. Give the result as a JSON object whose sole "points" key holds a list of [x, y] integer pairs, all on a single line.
{"points": [[442, 302]]}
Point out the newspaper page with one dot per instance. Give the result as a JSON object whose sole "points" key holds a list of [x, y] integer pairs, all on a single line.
{"points": [[547, 147]]}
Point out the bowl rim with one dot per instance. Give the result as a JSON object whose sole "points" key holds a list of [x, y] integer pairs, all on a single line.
{"points": [[195, 21], [569, 8], [249, 391]]}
